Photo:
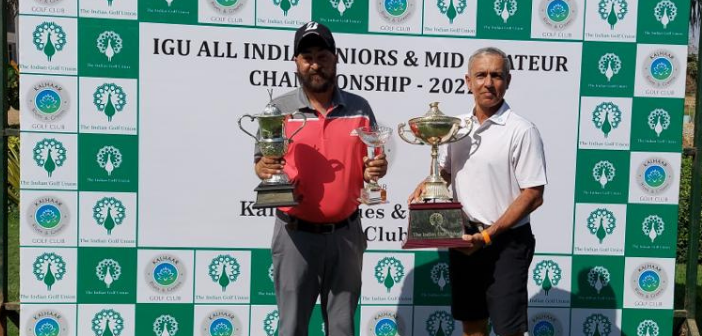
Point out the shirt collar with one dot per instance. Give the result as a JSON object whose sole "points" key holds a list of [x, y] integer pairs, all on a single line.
{"points": [[304, 102], [500, 117]]}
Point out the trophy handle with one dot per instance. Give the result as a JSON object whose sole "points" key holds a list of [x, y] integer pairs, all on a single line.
{"points": [[304, 122], [242, 127], [469, 127], [401, 132]]}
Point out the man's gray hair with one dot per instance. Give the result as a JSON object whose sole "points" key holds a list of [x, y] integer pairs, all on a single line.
{"points": [[492, 51]]}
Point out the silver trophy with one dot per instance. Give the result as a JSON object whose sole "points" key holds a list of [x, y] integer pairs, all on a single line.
{"points": [[277, 190], [435, 221], [375, 139], [434, 129]]}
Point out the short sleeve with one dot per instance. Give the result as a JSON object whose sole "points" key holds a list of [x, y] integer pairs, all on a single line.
{"points": [[445, 158], [528, 159]]}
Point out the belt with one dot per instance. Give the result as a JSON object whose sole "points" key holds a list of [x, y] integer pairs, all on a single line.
{"points": [[297, 224]]}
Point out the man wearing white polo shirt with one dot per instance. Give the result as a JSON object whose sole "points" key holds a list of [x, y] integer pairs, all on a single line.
{"points": [[498, 173]]}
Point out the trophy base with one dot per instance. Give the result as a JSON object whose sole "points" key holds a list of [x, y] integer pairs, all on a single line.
{"points": [[373, 196], [433, 225], [274, 195]]}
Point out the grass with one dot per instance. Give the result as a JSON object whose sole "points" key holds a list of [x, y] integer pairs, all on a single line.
{"points": [[680, 285], [13, 262]]}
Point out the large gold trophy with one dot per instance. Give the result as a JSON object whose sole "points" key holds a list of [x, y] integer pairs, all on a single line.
{"points": [[436, 220], [277, 190]]}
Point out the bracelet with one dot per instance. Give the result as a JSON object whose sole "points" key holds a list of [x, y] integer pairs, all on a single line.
{"points": [[486, 237]]}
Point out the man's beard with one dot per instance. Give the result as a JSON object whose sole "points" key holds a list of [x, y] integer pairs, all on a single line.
{"points": [[321, 84]]}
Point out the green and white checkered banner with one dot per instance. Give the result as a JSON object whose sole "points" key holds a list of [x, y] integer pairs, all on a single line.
{"points": [[137, 184]]}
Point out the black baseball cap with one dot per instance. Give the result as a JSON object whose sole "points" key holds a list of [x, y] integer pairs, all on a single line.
{"points": [[314, 34]]}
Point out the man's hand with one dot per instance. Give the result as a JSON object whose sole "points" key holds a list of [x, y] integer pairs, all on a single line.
{"points": [[415, 197], [475, 242], [269, 165], [375, 168]]}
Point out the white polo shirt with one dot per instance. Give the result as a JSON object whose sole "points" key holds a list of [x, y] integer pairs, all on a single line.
{"points": [[493, 163]]}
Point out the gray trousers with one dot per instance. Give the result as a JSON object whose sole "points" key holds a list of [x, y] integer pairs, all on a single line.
{"points": [[308, 265]]}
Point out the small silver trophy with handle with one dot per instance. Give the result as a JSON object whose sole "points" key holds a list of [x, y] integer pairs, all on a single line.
{"points": [[276, 190], [375, 138]]}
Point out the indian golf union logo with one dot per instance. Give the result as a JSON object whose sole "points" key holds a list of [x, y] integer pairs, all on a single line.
{"points": [[654, 175], [108, 322], [341, 5], [271, 272], [109, 158], [439, 275], [647, 328], [606, 117], [49, 268], [221, 323], [661, 68], [109, 43], [653, 227], [109, 3], [547, 274], [603, 172], [48, 215], [109, 212], [505, 8], [224, 269], [165, 325], [48, 101], [659, 121], [226, 7], [108, 271], [47, 322], [649, 281], [665, 12], [609, 65], [597, 325], [385, 323], [598, 277], [601, 223], [545, 324], [286, 5], [395, 11], [49, 38], [165, 273], [49, 154], [389, 271], [613, 11], [440, 323], [270, 323], [451, 10], [558, 14], [109, 98]]}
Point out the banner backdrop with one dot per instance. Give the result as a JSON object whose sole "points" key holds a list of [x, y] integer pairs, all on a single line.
{"points": [[137, 184]]}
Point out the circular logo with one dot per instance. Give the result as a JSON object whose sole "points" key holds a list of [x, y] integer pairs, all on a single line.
{"points": [[386, 323], [165, 273], [661, 68], [226, 7], [654, 175], [221, 323], [649, 281], [395, 11], [48, 101], [436, 219], [558, 14], [545, 324], [47, 323], [48, 215]]}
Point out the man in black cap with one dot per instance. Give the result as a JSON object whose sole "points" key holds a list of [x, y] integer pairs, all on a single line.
{"points": [[318, 245]]}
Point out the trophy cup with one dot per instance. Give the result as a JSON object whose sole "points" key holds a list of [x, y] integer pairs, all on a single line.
{"points": [[374, 138], [276, 190], [436, 221]]}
